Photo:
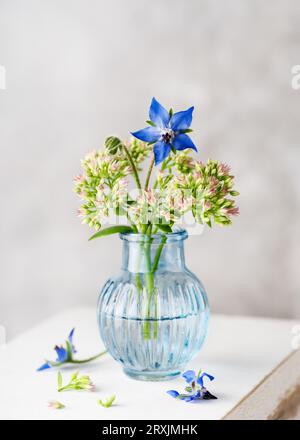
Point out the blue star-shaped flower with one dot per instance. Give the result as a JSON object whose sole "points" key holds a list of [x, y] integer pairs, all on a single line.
{"points": [[195, 389], [63, 354], [166, 131]]}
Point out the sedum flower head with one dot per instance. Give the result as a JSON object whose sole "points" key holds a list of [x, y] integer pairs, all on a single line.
{"points": [[183, 162], [103, 185], [211, 187], [139, 151], [76, 383], [215, 185], [159, 206]]}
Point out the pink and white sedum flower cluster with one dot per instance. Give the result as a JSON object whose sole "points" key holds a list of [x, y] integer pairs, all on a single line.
{"points": [[182, 184]]}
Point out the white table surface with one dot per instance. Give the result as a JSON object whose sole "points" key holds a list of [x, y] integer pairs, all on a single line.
{"points": [[239, 352]]}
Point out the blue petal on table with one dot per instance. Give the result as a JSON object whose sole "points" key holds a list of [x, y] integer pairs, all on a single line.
{"points": [[45, 366], [201, 377], [189, 376], [70, 338], [62, 354]]}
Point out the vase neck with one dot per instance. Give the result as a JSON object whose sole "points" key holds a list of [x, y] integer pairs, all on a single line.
{"points": [[157, 254]]}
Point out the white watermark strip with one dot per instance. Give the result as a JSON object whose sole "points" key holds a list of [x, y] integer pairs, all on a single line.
{"points": [[295, 77], [296, 337], [2, 78], [2, 336]]}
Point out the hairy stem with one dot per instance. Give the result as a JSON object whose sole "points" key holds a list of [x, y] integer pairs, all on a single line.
{"points": [[82, 361], [134, 170], [77, 361], [149, 174], [164, 165]]}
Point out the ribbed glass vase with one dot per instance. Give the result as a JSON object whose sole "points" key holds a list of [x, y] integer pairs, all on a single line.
{"points": [[153, 315]]}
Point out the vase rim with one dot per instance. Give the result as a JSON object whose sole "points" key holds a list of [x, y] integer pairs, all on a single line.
{"points": [[177, 235]]}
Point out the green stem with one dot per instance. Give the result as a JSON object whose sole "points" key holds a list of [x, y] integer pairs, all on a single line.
{"points": [[164, 165], [149, 281], [144, 229], [137, 275], [135, 229], [150, 286], [153, 270], [158, 253], [155, 315], [82, 361], [149, 174], [138, 282], [77, 361], [134, 170]]}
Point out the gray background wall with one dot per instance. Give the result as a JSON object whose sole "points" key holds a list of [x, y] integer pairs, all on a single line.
{"points": [[80, 70]]}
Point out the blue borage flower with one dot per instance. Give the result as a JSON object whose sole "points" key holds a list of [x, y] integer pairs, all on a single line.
{"points": [[166, 131], [195, 389], [65, 354]]}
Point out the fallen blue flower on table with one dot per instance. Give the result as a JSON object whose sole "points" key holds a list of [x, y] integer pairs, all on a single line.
{"points": [[195, 389], [167, 131], [65, 355]]}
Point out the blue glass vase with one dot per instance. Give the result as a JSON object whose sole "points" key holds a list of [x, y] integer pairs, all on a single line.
{"points": [[153, 315]]}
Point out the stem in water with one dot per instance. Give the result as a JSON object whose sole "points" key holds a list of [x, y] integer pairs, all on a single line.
{"points": [[149, 281]]}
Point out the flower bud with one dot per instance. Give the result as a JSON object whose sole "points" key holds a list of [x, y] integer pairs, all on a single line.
{"points": [[113, 145]]}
